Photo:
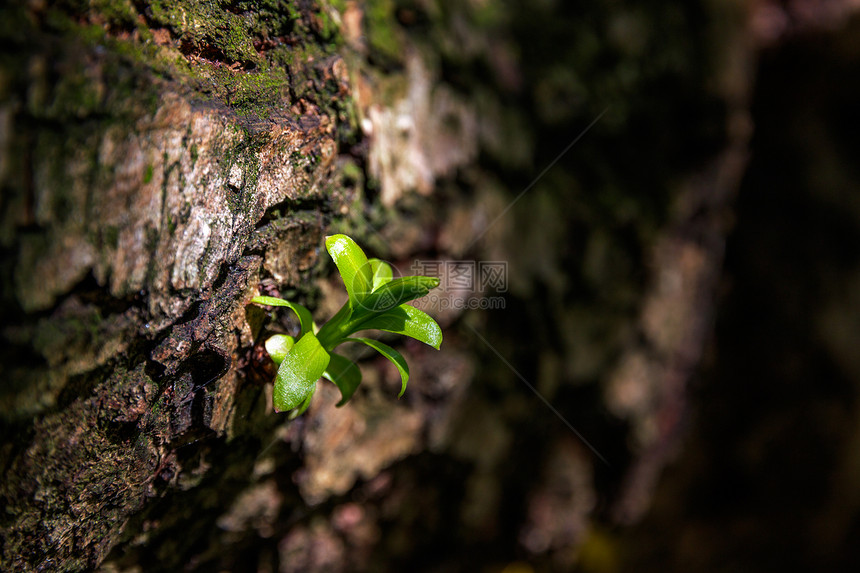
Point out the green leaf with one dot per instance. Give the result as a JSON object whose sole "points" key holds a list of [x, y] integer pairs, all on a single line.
{"points": [[394, 293], [299, 372], [395, 357], [278, 346], [345, 374], [339, 317], [331, 333], [409, 321], [304, 405], [306, 321], [376, 301], [354, 268], [382, 273]]}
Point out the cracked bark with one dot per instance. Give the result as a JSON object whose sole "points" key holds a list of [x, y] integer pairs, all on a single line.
{"points": [[162, 162]]}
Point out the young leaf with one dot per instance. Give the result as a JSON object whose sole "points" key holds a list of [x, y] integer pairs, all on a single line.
{"points": [[395, 357], [306, 321], [304, 405], [299, 372], [382, 273], [409, 321], [376, 301], [278, 346], [345, 374], [354, 268], [330, 335], [394, 293]]}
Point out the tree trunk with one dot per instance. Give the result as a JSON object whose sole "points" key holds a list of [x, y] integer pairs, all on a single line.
{"points": [[152, 156], [163, 162]]}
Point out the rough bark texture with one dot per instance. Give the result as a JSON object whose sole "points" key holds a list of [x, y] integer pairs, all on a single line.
{"points": [[162, 162], [146, 178]]}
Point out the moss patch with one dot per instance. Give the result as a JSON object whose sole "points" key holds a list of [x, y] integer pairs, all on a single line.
{"points": [[259, 58]]}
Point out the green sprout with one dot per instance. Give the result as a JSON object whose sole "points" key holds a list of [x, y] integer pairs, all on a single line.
{"points": [[376, 301]]}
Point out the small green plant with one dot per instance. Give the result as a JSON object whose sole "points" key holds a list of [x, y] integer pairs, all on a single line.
{"points": [[376, 301]]}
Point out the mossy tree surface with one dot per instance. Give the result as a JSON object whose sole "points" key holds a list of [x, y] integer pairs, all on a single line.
{"points": [[151, 153], [163, 162]]}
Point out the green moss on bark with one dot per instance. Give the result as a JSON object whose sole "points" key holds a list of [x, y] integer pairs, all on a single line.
{"points": [[257, 58]]}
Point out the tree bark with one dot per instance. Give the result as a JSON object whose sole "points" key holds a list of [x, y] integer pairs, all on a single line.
{"points": [[148, 166], [163, 162]]}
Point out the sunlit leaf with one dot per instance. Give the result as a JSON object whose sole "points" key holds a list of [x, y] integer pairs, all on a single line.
{"points": [[376, 301], [394, 293], [382, 272], [354, 268], [395, 357], [409, 321], [329, 334], [299, 372], [278, 345], [304, 405], [306, 321], [345, 374]]}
